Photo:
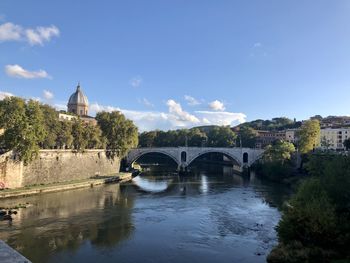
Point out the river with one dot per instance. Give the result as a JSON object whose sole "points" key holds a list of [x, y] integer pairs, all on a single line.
{"points": [[209, 216]]}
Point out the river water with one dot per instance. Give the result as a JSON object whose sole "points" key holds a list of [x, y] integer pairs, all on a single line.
{"points": [[210, 216]]}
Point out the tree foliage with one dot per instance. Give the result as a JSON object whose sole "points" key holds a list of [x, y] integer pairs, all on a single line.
{"points": [[221, 136], [215, 137], [347, 144], [279, 151], [309, 136], [30, 126], [279, 123], [247, 136], [276, 164], [24, 127], [121, 134], [315, 226]]}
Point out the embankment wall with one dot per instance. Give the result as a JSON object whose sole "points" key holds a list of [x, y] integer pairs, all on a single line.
{"points": [[53, 166]]}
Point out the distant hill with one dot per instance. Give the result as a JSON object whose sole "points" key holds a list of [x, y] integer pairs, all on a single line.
{"points": [[276, 124]]}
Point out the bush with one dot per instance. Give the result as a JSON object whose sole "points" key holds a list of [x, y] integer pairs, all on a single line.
{"points": [[315, 227]]}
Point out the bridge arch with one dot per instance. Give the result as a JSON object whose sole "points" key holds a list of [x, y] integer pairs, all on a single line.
{"points": [[142, 153], [257, 158], [233, 157]]}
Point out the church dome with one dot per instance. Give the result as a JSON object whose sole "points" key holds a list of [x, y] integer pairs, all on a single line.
{"points": [[78, 98]]}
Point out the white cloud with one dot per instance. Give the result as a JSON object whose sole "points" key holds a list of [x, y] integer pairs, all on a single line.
{"points": [[175, 118], [146, 102], [191, 101], [217, 105], [17, 71], [136, 82], [182, 116], [95, 107], [10, 32], [48, 94], [4, 94], [41, 34], [221, 117], [34, 36], [257, 44]]}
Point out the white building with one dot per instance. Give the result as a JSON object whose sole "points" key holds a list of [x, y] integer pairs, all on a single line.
{"points": [[334, 138], [66, 117]]}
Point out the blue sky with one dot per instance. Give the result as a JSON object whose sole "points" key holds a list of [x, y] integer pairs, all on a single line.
{"points": [[171, 64]]}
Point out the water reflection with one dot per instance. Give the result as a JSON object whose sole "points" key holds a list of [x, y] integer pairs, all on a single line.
{"points": [[152, 184], [64, 221], [212, 215]]}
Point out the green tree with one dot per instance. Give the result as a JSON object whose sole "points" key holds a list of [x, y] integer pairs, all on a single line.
{"points": [[51, 126], [347, 144], [24, 127], [196, 137], [309, 136], [79, 141], [221, 136], [93, 136], [64, 139], [147, 139], [279, 151], [315, 226], [120, 133], [247, 136]]}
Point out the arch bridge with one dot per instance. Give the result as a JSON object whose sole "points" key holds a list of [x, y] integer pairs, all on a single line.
{"points": [[184, 156]]}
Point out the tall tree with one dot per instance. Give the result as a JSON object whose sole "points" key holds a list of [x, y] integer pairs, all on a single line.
{"points": [[24, 127], [247, 136], [221, 136], [51, 125], [121, 134], [93, 136], [347, 144], [79, 142], [309, 136], [196, 138], [279, 151], [147, 139], [64, 137]]}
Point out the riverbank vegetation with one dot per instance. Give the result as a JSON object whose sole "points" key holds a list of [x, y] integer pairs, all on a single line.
{"points": [[280, 160], [30, 126], [277, 163], [315, 225]]}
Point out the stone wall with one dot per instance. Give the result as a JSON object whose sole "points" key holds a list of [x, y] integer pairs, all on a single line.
{"points": [[54, 166]]}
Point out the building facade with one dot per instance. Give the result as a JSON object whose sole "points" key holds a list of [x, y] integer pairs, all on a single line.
{"points": [[265, 138], [291, 135], [334, 138]]}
